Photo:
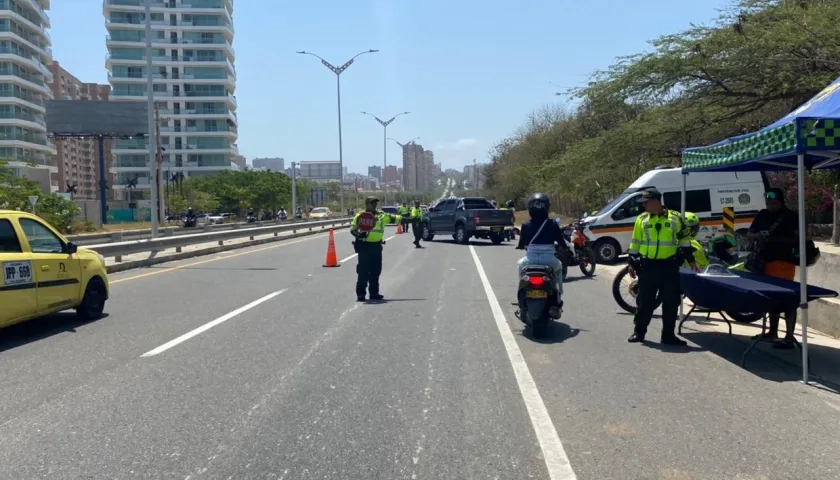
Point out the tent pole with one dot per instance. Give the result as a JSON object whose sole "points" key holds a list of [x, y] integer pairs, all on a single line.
{"points": [[803, 268], [682, 210]]}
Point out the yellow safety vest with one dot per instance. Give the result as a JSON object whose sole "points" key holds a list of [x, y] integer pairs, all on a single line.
{"points": [[659, 243], [404, 211], [416, 213], [700, 257], [378, 233]]}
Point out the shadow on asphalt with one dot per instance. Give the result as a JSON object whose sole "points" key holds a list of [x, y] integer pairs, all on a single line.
{"points": [[485, 243], [577, 279], [389, 300], [39, 329], [764, 361], [556, 332]]}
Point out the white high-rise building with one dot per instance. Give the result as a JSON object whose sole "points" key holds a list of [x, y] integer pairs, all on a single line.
{"points": [[194, 83], [24, 55]]}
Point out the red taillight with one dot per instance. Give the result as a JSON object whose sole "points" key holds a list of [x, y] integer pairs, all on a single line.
{"points": [[536, 281], [476, 219]]}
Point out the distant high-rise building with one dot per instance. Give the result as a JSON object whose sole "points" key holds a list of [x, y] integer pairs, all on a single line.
{"points": [[23, 131], [391, 175], [194, 83], [77, 159], [428, 171], [413, 166], [375, 171], [274, 164]]}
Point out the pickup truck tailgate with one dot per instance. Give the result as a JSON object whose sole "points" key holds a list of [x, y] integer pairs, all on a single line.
{"points": [[493, 218]]}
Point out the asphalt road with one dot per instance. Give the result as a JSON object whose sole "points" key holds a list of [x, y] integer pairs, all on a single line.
{"points": [[288, 377]]}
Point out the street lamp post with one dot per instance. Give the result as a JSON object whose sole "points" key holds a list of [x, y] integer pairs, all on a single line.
{"points": [[385, 124], [150, 137], [338, 71]]}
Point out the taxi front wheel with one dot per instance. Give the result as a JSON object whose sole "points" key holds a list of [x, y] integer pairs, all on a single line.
{"points": [[93, 303]]}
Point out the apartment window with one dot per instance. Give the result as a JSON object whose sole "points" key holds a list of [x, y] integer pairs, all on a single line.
{"points": [[135, 72]]}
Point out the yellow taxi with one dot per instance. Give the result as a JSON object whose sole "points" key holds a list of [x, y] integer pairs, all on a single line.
{"points": [[320, 212], [41, 272]]}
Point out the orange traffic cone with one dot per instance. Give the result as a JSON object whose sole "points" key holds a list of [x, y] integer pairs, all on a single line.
{"points": [[399, 229], [332, 258]]}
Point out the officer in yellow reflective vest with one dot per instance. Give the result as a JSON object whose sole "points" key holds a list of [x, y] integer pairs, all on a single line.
{"points": [[368, 245], [417, 223], [404, 212], [661, 242]]}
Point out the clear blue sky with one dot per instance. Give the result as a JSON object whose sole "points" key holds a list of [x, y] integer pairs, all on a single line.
{"points": [[470, 71]]}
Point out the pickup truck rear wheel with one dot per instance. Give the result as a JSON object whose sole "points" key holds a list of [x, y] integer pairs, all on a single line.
{"points": [[428, 236], [93, 303], [461, 235]]}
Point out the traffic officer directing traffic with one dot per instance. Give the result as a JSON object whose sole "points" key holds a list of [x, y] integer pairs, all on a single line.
{"points": [[660, 243], [417, 223], [368, 227], [404, 212]]}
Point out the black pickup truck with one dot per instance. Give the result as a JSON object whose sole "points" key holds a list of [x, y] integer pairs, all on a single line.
{"points": [[465, 218]]}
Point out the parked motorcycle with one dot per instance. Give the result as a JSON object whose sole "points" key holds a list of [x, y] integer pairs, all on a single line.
{"points": [[577, 251], [538, 302], [629, 284]]}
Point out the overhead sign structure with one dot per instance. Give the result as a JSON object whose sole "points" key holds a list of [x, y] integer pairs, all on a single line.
{"points": [[366, 222]]}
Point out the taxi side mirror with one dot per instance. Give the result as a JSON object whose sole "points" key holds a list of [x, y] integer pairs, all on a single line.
{"points": [[70, 248]]}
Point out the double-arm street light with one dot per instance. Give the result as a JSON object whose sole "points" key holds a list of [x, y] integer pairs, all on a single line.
{"points": [[338, 71], [385, 124]]}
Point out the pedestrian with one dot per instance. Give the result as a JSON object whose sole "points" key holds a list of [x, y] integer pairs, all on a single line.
{"points": [[368, 246], [775, 231], [661, 242], [417, 223], [404, 213]]}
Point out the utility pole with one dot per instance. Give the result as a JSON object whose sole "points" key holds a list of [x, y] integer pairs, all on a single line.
{"points": [[475, 176], [338, 71], [150, 142], [159, 176], [385, 124], [294, 189]]}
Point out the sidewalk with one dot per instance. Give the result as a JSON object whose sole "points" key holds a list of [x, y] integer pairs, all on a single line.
{"points": [[764, 360]]}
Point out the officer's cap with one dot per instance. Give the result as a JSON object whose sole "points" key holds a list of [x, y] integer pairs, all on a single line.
{"points": [[650, 194], [371, 200]]}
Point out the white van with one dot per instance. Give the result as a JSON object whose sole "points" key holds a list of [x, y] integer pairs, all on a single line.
{"points": [[611, 227]]}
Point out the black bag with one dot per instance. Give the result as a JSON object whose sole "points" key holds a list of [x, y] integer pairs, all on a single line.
{"points": [[755, 261], [812, 254]]}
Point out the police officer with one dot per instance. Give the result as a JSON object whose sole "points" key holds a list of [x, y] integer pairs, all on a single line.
{"points": [[661, 242], [417, 223], [404, 212], [368, 245]]}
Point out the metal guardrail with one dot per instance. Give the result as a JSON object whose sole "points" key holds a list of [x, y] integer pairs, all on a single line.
{"points": [[88, 239], [118, 249]]}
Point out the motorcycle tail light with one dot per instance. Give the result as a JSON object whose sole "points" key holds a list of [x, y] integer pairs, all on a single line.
{"points": [[536, 282]]}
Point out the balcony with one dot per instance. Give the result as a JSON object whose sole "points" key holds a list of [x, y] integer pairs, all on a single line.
{"points": [[36, 100], [30, 60], [26, 117], [37, 80], [30, 17]]}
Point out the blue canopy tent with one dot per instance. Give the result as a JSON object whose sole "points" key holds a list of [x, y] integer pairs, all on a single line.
{"points": [[807, 138]]}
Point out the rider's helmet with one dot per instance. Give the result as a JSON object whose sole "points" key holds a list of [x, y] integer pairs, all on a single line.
{"points": [[509, 204], [539, 205], [692, 221], [724, 248]]}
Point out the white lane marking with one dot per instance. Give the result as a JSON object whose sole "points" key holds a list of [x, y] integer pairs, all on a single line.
{"points": [[207, 326], [556, 460], [351, 257]]}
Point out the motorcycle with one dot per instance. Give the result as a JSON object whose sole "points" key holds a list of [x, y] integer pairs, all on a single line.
{"points": [[577, 251], [538, 302], [619, 286], [190, 222]]}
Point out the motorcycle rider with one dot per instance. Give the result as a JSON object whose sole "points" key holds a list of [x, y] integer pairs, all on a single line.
{"points": [[282, 215], [692, 222], [538, 237], [509, 206]]}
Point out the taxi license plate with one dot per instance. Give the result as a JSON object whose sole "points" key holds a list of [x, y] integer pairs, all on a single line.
{"points": [[536, 294]]}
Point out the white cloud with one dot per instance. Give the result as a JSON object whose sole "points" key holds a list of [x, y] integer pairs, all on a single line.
{"points": [[461, 144]]}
